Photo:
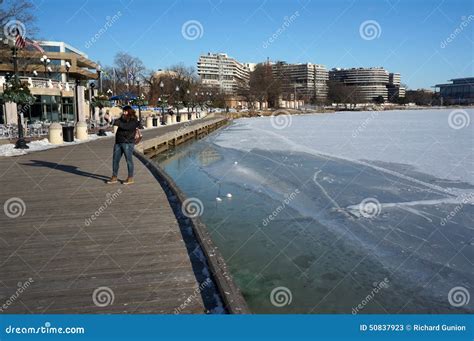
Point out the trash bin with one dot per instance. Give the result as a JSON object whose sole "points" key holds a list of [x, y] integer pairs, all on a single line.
{"points": [[68, 133], [155, 122]]}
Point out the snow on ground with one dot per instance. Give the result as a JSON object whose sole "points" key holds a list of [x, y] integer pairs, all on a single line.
{"points": [[435, 142], [9, 149]]}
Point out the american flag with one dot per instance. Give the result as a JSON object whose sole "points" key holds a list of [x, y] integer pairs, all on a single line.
{"points": [[20, 42], [34, 44]]}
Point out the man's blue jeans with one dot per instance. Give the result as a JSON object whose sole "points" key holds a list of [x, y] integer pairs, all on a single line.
{"points": [[119, 149]]}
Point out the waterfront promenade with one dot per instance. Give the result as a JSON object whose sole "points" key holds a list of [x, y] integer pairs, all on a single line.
{"points": [[72, 244]]}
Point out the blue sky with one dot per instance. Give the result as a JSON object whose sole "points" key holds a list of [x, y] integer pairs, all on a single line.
{"points": [[410, 35]]}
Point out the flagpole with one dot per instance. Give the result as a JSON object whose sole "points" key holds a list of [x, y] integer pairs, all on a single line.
{"points": [[115, 90]]}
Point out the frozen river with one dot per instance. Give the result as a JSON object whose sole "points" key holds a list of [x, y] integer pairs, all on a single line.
{"points": [[359, 212]]}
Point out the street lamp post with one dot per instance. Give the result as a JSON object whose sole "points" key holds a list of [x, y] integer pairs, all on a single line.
{"points": [[177, 103], [20, 143], [187, 101], [99, 72], [139, 101], [45, 61], [91, 94]]}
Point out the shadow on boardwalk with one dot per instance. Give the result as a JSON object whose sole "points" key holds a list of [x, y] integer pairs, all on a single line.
{"points": [[66, 168]]}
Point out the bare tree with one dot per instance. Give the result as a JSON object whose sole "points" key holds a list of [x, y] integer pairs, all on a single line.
{"points": [[17, 15]]}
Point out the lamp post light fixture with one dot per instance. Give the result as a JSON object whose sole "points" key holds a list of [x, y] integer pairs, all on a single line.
{"points": [[91, 94], [68, 67], [139, 101], [45, 61], [99, 72], [177, 103], [187, 100]]}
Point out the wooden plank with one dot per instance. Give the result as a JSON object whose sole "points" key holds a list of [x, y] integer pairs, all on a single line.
{"points": [[134, 246]]}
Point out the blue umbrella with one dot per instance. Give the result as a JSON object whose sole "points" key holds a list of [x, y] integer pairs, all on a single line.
{"points": [[127, 96]]}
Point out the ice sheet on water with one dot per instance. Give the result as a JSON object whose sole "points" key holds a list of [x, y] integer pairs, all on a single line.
{"points": [[424, 139]]}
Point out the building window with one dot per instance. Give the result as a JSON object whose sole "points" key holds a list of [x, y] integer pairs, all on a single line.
{"points": [[49, 108]]}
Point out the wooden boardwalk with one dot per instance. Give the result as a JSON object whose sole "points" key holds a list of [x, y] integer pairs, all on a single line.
{"points": [[72, 244]]}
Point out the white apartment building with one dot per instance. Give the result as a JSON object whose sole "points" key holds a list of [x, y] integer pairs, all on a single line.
{"points": [[218, 69], [308, 80]]}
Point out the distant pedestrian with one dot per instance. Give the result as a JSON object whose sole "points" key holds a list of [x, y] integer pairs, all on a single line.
{"points": [[125, 138]]}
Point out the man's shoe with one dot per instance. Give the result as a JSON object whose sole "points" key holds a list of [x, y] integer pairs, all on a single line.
{"points": [[129, 181], [113, 180]]}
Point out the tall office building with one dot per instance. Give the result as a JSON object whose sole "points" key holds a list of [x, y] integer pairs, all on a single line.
{"points": [[218, 69], [370, 83], [307, 80], [394, 88]]}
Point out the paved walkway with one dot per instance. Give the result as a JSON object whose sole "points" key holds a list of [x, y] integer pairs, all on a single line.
{"points": [[69, 243]]}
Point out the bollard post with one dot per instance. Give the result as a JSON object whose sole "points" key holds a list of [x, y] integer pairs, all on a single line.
{"points": [[81, 130], [149, 122], [55, 134], [169, 119]]}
